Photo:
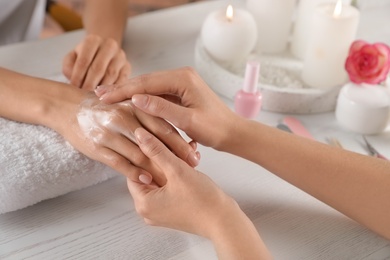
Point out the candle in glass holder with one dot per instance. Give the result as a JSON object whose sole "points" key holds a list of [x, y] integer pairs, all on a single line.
{"points": [[303, 23], [273, 20], [333, 31], [229, 35]]}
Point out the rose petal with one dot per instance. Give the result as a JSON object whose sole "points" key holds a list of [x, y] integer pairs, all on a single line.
{"points": [[356, 46]]}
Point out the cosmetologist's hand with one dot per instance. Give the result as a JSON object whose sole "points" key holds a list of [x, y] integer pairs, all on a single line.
{"points": [[106, 133], [181, 97], [190, 201]]}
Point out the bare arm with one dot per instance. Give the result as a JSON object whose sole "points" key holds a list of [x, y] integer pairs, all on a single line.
{"points": [[106, 18], [57, 106], [354, 184]]}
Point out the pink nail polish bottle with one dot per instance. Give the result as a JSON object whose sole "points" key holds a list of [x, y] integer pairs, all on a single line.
{"points": [[247, 101]]}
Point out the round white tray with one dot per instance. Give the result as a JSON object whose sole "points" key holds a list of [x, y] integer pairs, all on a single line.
{"points": [[280, 83]]}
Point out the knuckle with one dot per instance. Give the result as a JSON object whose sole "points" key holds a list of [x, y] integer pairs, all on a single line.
{"points": [[158, 105], [100, 137], [96, 67], [83, 62], [92, 38], [115, 162], [111, 72], [142, 208], [154, 149], [139, 159], [111, 44], [191, 76]]}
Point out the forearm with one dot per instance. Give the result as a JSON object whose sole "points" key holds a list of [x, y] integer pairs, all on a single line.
{"points": [[235, 237], [32, 100], [106, 18], [354, 184]]}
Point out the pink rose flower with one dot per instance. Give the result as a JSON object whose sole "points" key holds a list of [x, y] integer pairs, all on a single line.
{"points": [[368, 63]]}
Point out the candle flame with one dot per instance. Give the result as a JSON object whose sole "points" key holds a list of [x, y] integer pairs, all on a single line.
{"points": [[229, 13], [338, 8]]}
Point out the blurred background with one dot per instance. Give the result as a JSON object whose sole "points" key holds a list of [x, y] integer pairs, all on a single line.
{"points": [[52, 28]]}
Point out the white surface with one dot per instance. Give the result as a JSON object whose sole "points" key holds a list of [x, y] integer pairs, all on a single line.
{"points": [[100, 222]]}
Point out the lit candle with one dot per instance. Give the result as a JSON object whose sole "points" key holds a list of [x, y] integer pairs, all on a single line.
{"points": [[333, 31], [303, 23], [229, 35], [273, 20]]}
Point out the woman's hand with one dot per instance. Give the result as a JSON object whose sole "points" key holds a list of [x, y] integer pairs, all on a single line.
{"points": [[106, 133], [195, 108], [95, 61], [190, 201]]}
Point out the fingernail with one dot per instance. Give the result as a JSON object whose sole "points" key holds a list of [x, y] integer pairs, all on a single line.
{"points": [[100, 90], [104, 96], [193, 158], [145, 179], [142, 135], [140, 100], [198, 154]]}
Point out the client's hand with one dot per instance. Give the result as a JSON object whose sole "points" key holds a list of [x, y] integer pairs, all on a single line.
{"points": [[96, 61], [198, 112], [190, 201], [105, 133]]}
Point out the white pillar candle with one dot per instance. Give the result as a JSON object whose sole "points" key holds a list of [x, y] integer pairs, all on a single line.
{"points": [[229, 35], [273, 20], [333, 31], [302, 25]]}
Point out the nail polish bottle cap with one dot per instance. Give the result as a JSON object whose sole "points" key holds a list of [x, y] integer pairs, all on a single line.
{"points": [[251, 77]]}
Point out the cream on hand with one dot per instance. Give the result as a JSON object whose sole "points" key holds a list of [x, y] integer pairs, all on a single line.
{"points": [[96, 118], [247, 102]]}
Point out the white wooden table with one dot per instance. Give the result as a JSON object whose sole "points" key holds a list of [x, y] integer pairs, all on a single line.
{"points": [[100, 222]]}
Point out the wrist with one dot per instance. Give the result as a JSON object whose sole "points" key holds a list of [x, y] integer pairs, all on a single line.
{"points": [[236, 237], [233, 132], [60, 104]]}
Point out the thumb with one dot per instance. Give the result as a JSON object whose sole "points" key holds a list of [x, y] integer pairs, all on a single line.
{"points": [[160, 107], [156, 151]]}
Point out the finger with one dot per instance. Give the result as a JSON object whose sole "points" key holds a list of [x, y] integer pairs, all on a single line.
{"points": [[113, 70], [85, 55], [124, 74], [121, 164], [165, 82], [99, 64], [156, 106], [130, 151], [139, 188], [68, 64], [169, 136], [194, 145], [157, 152]]}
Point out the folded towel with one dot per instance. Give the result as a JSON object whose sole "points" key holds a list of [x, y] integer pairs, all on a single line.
{"points": [[37, 164]]}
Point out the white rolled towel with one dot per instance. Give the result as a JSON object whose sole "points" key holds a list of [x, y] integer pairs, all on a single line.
{"points": [[37, 164]]}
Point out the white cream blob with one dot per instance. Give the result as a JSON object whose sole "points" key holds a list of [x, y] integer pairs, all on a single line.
{"points": [[95, 119]]}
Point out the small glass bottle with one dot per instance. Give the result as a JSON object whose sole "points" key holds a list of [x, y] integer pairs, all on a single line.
{"points": [[247, 102]]}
